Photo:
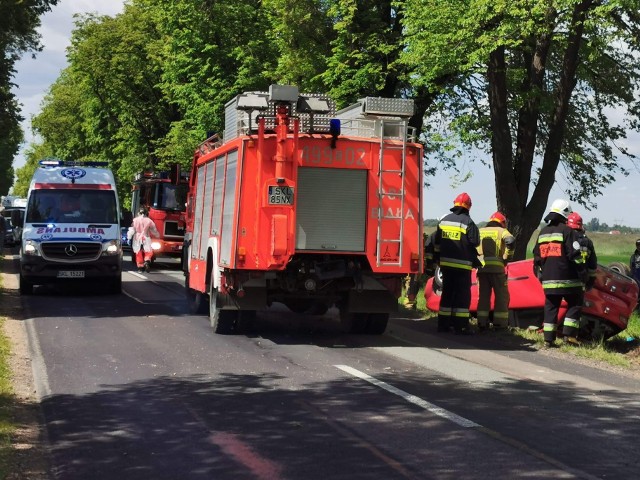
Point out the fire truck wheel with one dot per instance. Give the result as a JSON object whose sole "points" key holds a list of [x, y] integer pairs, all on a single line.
{"points": [[26, 288], [377, 323], [196, 301], [223, 322]]}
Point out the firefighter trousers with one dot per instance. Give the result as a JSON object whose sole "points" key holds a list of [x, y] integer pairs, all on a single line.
{"points": [[496, 283], [455, 300], [571, 322]]}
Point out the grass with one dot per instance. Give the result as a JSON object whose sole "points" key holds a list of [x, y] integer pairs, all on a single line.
{"points": [[622, 350], [7, 402]]}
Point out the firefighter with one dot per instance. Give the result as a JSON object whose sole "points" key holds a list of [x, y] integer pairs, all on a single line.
{"points": [[560, 267], [454, 245], [634, 263], [574, 220], [496, 248], [140, 234]]}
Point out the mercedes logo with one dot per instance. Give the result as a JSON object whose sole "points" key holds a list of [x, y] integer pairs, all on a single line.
{"points": [[70, 250]]}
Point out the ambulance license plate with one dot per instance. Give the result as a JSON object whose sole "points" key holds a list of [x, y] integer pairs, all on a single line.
{"points": [[280, 195], [71, 274]]}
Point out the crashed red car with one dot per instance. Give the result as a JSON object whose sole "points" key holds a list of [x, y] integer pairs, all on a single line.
{"points": [[606, 311]]}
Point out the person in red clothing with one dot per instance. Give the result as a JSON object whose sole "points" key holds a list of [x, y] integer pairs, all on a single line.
{"points": [[140, 233]]}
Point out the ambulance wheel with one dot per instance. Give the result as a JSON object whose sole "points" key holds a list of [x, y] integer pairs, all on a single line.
{"points": [[26, 288], [223, 322], [377, 323], [116, 285], [196, 301]]}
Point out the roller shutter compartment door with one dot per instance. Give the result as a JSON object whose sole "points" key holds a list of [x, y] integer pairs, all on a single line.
{"points": [[331, 209]]}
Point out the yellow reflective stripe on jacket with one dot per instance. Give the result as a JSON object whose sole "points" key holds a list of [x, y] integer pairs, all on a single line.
{"points": [[550, 237], [493, 261], [455, 263], [557, 284]]}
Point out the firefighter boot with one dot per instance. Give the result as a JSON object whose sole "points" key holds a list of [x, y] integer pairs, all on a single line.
{"points": [[147, 266], [572, 341]]}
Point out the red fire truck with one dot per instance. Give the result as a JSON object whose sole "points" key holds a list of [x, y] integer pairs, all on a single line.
{"points": [[164, 195], [302, 205]]}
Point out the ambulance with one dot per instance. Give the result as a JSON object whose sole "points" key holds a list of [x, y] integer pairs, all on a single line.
{"points": [[71, 228]]}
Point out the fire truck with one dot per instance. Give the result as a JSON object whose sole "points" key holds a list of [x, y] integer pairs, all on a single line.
{"points": [[164, 194], [303, 205]]}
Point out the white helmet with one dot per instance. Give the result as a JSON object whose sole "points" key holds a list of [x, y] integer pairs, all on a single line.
{"points": [[562, 207]]}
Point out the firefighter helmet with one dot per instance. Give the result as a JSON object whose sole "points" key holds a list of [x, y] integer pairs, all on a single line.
{"points": [[574, 221], [561, 207], [500, 218], [463, 200]]}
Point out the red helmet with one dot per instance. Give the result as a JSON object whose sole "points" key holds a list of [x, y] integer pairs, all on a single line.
{"points": [[463, 200], [574, 221], [500, 218]]}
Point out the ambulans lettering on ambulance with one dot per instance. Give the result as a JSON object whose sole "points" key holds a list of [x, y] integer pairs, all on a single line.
{"points": [[71, 230]]}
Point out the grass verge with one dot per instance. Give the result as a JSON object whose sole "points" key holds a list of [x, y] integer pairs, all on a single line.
{"points": [[7, 403]]}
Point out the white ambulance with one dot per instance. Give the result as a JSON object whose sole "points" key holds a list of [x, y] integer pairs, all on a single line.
{"points": [[71, 230]]}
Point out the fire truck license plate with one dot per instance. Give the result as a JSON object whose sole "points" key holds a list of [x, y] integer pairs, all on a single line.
{"points": [[280, 195], [71, 274]]}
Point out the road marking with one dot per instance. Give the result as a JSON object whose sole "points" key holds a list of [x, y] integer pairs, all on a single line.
{"points": [[463, 422], [439, 411], [261, 467]]}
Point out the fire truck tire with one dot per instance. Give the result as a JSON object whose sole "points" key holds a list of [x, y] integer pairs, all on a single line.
{"points": [[377, 323], [223, 322], [26, 288], [196, 301]]}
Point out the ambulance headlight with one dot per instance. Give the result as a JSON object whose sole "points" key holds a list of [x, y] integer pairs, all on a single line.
{"points": [[156, 245], [111, 248], [30, 248]]}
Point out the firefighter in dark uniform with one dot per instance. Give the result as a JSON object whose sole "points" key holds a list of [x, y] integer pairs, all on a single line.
{"points": [[634, 263], [496, 248], [574, 220], [560, 267], [454, 244]]}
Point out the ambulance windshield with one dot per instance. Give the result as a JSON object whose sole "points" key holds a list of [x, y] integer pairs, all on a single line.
{"points": [[72, 206]]}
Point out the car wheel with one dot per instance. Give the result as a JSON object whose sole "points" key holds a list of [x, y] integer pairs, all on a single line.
{"points": [[620, 267]]}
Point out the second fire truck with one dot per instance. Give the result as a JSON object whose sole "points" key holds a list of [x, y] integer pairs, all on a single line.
{"points": [[302, 205], [164, 195]]}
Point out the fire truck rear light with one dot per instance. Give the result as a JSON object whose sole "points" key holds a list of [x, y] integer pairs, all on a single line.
{"points": [[414, 262]]}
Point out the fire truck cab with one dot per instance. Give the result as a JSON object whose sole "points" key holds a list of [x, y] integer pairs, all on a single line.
{"points": [[302, 205], [164, 195]]}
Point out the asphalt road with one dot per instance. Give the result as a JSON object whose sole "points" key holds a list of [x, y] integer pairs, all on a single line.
{"points": [[134, 387]]}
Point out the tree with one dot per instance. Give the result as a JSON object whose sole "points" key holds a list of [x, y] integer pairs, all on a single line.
{"points": [[533, 85], [18, 24]]}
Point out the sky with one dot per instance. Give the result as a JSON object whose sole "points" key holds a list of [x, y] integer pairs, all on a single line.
{"points": [[620, 203]]}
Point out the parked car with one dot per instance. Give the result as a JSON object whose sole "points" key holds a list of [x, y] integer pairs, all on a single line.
{"points": [[9, 240], [126, 244], [606, 311]]}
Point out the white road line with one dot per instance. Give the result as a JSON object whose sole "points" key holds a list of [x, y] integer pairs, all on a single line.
{"points": [[441, 412]]}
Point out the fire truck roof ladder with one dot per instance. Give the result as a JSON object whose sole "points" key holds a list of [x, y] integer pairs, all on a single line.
{"points": [[393, 136]]}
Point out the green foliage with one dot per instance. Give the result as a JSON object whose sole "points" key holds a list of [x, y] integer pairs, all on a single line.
{"points": [[18, 24]]}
